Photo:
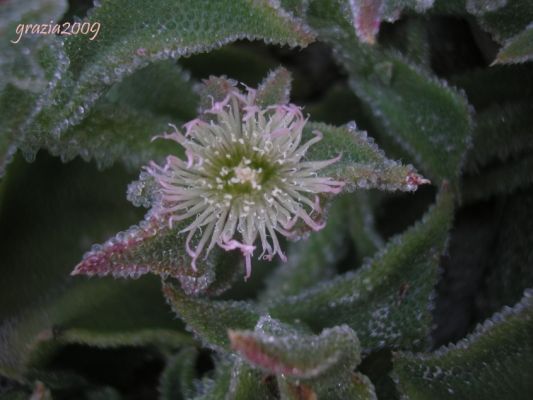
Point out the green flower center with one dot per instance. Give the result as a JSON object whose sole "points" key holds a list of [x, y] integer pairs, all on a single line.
{"points": [[244, 175]]}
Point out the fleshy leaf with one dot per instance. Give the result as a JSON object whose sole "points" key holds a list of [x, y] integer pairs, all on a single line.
{"points": [[362, 224], [495, 361], [42, 310], [356, 386], [386, 301], [366, 15], [216, 387], [508, 270], [163, 30], [295, 391], [176, 381], [247, 383], [24, 71], [112, 132], [99, 313], [275, 88], [210, 320], [498, 179], [497, 85], [517, 49], [501, 133], [163, 88], [121, 124], [428, 118], [154, 247], [362, 164], [312, 260], [14, 104], [299, 355], [503, 19]]}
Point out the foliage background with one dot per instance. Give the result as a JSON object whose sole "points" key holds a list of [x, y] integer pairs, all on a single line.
{"points": [[106, 338]]}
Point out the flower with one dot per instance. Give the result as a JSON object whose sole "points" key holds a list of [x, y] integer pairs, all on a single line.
{"points": [[244, 178]]}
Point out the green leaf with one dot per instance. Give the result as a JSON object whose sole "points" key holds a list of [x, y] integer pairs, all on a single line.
{"points": [[122, 123], [100, 313], [217, 387], [517, 49], [24, 73], [502, 19], [295, 354], [362, 164], [428, 118], [294, 391], [275, 88], [357, 387], [210, 320], [362, 224], [162, 88], [313, 260], [387, 300], [176, 381], [366, 15], [41, 309], [246, 62], [508, 270], [494, 361], [247, 383], [154, 247], [502, 132], [496, 85], [498, 179], [113, 132], [134, 34], [15, 104]]}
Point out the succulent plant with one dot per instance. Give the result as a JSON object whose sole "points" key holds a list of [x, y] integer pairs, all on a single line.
{"points": [[284, 253]]}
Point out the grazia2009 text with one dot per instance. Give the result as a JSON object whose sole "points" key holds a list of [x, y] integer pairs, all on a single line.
{"points": [[91, 29]]}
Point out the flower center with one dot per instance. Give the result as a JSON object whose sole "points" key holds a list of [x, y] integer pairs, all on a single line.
{"points": [[246, 175], [243, 178]]}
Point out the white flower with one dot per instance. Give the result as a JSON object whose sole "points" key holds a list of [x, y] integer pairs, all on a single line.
{"points": [[244, 178]]}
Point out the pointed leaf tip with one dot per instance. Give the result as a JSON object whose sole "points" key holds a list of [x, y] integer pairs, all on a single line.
{"points": [[113, 258], [297, 354], [366, 16], [275, 88]]}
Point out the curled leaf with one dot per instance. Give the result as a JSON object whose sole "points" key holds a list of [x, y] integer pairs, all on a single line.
{"points": [[298, 355]]}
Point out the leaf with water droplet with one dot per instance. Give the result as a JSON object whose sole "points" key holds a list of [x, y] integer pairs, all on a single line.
{"points": [[299, 355], [496, 85], [154, 247], [248, 383], [42, 309], [387, 300], [208, 319], [362, 164], [362, 224], [517, 49], [177, 379], [25, 68], [508, 263], [134, 34], [312, 260], [498, 179], [495, 361], [275, 88], [366, 16], [503, 19], [502, 132], [428, 118], [216, 387], [122, 123]]}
